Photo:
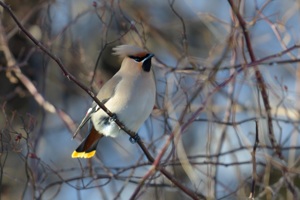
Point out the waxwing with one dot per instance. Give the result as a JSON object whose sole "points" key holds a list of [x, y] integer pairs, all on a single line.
{"points": [[129, 94]]}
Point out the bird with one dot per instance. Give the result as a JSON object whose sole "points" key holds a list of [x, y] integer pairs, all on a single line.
{"points": [[130, 95]]}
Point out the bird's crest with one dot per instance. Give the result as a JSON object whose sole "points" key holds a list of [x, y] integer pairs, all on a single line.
{"points": [[129, 50]]}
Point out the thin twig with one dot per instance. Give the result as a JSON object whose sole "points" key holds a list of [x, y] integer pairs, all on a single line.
{"points": [[253, 154], [184, 35]]}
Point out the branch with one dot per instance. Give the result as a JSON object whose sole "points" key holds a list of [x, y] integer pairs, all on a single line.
{"points": [[263, 90], [260, 80]]}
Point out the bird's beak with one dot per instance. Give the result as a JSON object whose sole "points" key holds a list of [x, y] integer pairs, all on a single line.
{"points": [[149, 56]]}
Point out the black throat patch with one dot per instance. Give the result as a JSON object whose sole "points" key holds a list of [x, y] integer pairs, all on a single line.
{"points": [[147, 65]]}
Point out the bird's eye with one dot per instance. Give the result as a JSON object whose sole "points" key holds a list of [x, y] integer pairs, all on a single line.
{"points": [[137, 59]]}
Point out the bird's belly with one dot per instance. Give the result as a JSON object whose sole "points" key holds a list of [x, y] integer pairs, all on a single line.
{"points": [[105, 124], [134, 114], [111, 130]]}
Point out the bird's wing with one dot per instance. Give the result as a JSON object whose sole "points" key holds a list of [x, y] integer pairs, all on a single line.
{"points": [[108, 89], [105, 93], [86, 118]]}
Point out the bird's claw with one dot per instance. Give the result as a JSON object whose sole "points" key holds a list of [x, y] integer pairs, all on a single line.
{"points": [[135, 138], [113, 117]]}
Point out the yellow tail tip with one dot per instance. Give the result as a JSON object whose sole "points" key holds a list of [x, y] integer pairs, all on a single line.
{"points": [[76, 154]]}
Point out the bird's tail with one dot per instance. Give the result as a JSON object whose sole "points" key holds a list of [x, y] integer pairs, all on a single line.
{"points": [[87, 148]]}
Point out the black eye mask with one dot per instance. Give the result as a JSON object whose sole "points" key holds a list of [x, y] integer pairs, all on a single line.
{"points": [[146, 61], [138, 58]]}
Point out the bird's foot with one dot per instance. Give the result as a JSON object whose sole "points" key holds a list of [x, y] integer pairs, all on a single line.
{"points": [[135, 138], [113, 118]]}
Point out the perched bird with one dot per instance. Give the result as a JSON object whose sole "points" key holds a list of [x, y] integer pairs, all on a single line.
{"points": [[129, 94]]}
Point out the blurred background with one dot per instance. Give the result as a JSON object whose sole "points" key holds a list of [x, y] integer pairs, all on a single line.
{"points": [[208, 99]]}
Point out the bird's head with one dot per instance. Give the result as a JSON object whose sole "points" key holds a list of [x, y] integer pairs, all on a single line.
{"points": [[134, 56]]}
